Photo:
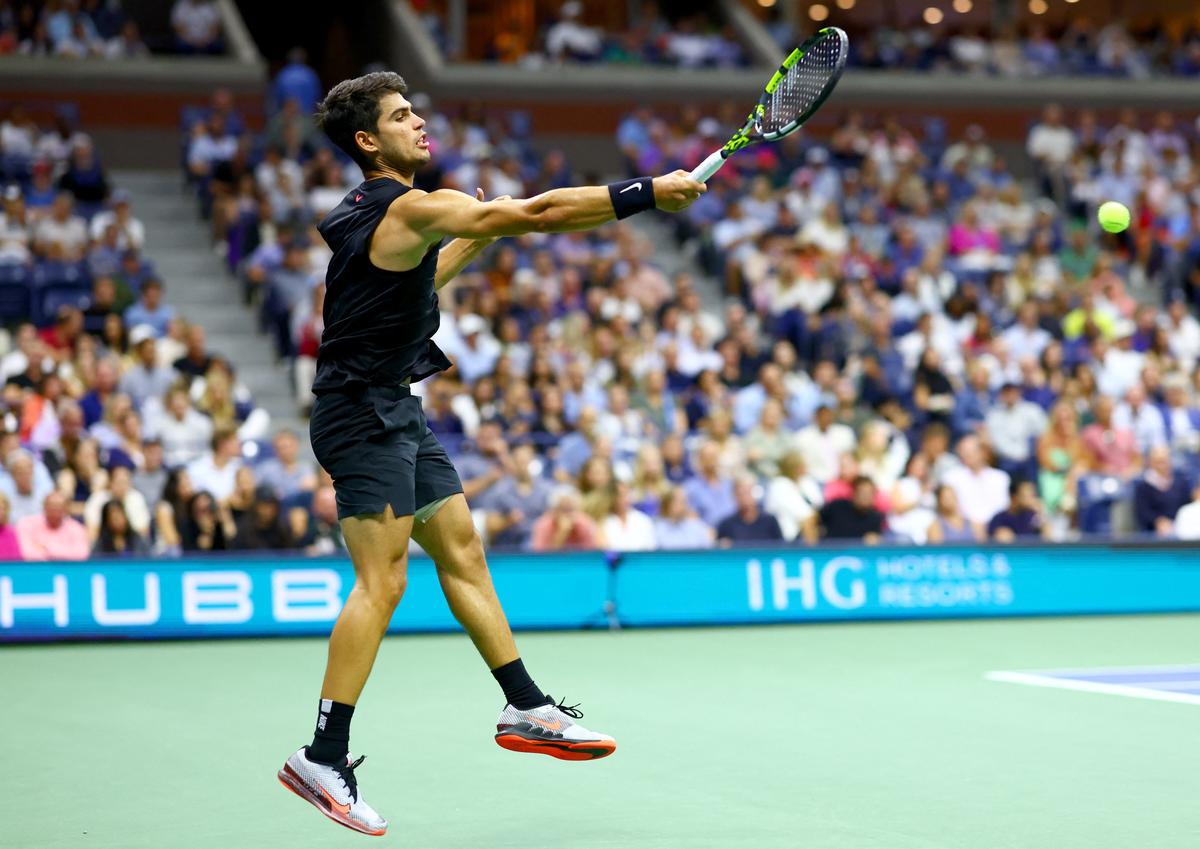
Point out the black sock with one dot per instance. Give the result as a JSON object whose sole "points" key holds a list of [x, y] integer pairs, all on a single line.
{"points": [[518, 687], [331, 741]]}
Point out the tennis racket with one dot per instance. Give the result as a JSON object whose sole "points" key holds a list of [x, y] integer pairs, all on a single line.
{"points": [[795, 92]]}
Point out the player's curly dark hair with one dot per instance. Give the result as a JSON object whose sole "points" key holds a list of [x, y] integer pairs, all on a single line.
{"points": [[353, 105]]}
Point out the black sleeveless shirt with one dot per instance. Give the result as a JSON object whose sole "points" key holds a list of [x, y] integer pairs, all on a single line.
{"points": [[379, 324]]}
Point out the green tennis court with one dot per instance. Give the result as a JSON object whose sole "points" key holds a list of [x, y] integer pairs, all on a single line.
{"points": [[884, 736]]}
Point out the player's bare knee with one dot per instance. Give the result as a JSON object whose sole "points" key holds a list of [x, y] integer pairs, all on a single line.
{"points": [[466, 557], [385, 585]]}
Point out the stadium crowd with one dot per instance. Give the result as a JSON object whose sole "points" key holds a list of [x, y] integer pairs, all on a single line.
{"points": [[909, 343], [695, 39], [87, 29], [1083, 47], [914, 344]]}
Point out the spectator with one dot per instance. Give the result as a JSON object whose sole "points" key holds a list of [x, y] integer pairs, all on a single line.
{"points": [[794, 498], [1187, 520], [913, 502], [212, 145], [62, 339], [1013, 426], [747, 524], [25, 490], [245, 487], [184, 432], [131, 233], [128, 44], [284, 472], [197, 25], [84, 177], [207, 526], [1109, 449], [324, 533], [564, 525], [949, 524], [297, 81], [485, 462], [768, 442], [10, 545], [626, 528], [1159, 494], [62, 235], [822, 442], [568, 39], [171, 518], [708, 491], [150, 309], [196, 361], [263, 527], [1022, 518], [216, 471], [595, 485], [855, 517], [104, 386], [516, 500], [150, 478], [52, 534], [16, 228], [1051, 144], [145, 379], [120, 491], [478, 350], [1137, 414], [1062, 458], [677, 526], [116, 538], [982, 491]]}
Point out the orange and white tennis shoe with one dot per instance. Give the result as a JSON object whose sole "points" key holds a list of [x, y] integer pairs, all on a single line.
{"points": [[332, 790], [551, 730]]}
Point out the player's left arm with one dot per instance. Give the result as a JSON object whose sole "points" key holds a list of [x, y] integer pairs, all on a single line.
{"points": [[460, 253]]}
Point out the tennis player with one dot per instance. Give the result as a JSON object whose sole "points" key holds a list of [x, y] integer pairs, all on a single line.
{"points": [[392, 477]]}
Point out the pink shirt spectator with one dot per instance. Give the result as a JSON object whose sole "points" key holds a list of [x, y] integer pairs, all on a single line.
{"points": [[840, 489], [39, 541], [582, 534], [1114, 449], [10, 547], [965, 239]]}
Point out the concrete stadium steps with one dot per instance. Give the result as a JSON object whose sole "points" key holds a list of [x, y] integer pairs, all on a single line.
{"points": [[198, 285]]}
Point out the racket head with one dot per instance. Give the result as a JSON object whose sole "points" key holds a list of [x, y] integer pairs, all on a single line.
{"points": [[796, 90]]}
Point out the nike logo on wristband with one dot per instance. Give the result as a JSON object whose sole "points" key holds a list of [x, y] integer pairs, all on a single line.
{"points": [[637, 185]]}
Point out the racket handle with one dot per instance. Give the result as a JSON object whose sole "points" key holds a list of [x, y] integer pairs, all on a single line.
{"points": [[708, 167]]}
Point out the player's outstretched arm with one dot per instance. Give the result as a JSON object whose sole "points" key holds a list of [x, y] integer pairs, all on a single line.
{"points": [[443, 213], [460, 253]]}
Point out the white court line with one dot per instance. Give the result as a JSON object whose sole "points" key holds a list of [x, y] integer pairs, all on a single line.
{"points": [[1123, 670], [1035, 680]]}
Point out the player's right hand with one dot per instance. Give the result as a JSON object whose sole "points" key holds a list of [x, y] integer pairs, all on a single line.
{"points": [[676, 191]]}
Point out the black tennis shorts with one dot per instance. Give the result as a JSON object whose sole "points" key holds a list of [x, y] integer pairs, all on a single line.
{"points": [[378, 448]]}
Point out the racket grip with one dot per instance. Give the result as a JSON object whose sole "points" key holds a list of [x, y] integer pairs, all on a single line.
{"points": [[708, 167]]}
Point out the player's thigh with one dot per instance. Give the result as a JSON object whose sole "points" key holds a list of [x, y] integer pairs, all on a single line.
{"points": [[378, 546], [450, 538]]}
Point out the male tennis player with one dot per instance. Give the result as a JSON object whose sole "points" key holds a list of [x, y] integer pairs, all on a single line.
{"points": [[393, 479]]}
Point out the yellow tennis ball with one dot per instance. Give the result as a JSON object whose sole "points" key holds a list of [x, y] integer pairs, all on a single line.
{"points": [[1114, 216]]}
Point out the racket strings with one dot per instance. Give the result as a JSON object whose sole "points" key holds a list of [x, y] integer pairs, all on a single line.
{"points": [[803, 85]]}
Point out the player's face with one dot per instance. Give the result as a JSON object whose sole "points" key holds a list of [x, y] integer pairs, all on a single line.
{"points": [[401, 134]]}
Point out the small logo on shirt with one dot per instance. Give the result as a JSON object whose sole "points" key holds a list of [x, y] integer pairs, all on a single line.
{"points": [[357, 198]]}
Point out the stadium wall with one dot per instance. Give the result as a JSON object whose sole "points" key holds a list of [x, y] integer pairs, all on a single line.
{"points": [[243, 597]]}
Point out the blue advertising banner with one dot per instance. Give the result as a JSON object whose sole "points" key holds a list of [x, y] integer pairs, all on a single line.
{"points": [[790, 585], [249, 597], [223, 597]]}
